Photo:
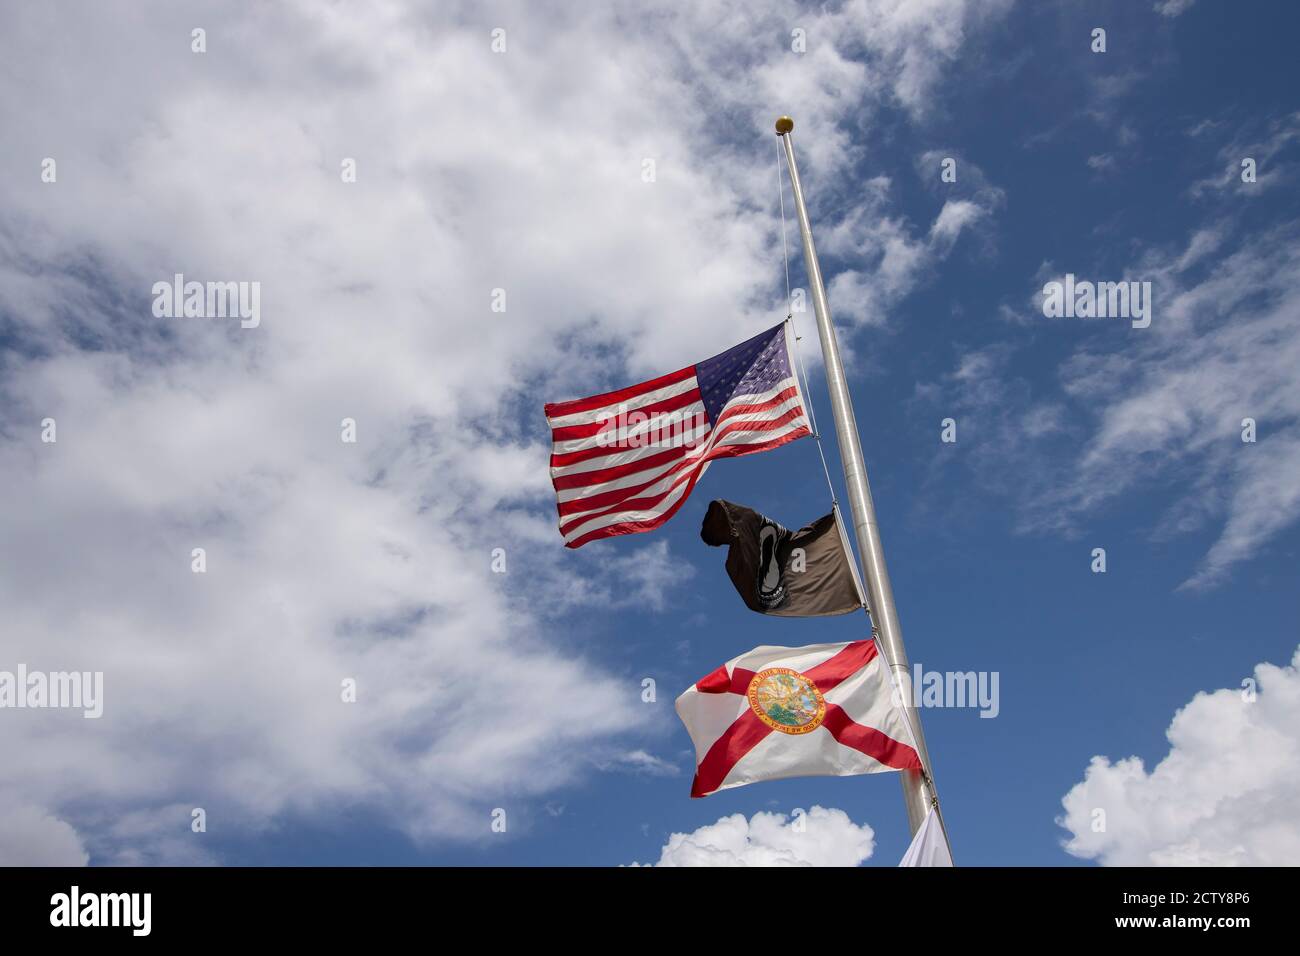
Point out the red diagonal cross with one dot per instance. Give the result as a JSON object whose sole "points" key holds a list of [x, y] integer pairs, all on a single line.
{"points": [[747, 730]]}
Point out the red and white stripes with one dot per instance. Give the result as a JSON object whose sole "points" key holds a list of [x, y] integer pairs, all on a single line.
{"points": [[775, 712], [625, 461]]}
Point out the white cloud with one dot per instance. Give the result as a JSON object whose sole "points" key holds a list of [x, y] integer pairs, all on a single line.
{"points": [[29, 836], [889, 258], [916, 39], [640, 762], [956, 215], [371, 561], [1173, 8], [1102, 162], [1005, 427], [644, 578], [1177, 397], [1225, 794], [823, 837], [1163, 407], [1267, 147]]}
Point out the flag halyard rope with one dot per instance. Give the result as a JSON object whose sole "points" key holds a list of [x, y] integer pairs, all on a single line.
{"points": [[789, 301], [908, 717]]}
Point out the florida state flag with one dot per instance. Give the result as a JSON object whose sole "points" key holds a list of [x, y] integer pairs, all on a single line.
{"points": [[822, 710]]}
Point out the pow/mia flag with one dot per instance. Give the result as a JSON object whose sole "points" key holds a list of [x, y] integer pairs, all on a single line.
{"points": [[804, 573]]}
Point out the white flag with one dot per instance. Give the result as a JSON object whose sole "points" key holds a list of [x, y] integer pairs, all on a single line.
{"points": [[928, 848], [794, 712]]}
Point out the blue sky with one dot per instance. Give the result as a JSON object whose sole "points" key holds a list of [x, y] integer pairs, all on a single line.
{"points": [[522, 691]]}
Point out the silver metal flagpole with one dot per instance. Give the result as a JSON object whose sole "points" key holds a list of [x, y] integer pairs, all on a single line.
{"points": [[918, 790]]}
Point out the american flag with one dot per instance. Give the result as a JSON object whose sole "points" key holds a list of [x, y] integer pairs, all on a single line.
{"points": [[625, 461]]}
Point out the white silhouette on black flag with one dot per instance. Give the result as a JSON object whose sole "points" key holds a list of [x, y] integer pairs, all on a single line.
{"points": [[804, 573]]}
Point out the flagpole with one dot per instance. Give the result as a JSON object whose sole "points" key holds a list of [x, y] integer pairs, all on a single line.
{"points": [[919, 793]]}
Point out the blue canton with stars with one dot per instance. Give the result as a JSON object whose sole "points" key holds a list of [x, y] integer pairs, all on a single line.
{"points": [[753, 366]]}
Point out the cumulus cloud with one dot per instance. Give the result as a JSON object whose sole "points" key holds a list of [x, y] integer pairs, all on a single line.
{"points": [[476, 171], [29, 836], [821, 837], [1224, 795]]}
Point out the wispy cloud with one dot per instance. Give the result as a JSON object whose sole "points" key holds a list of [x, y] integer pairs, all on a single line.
{"points": [[1266, 148], [1165, 405], [1173, 8], [639, 762], [889, 257], [521, 171]]}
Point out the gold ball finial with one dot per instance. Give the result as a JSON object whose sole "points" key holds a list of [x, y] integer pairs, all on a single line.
{"points": [[784, 125]]}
